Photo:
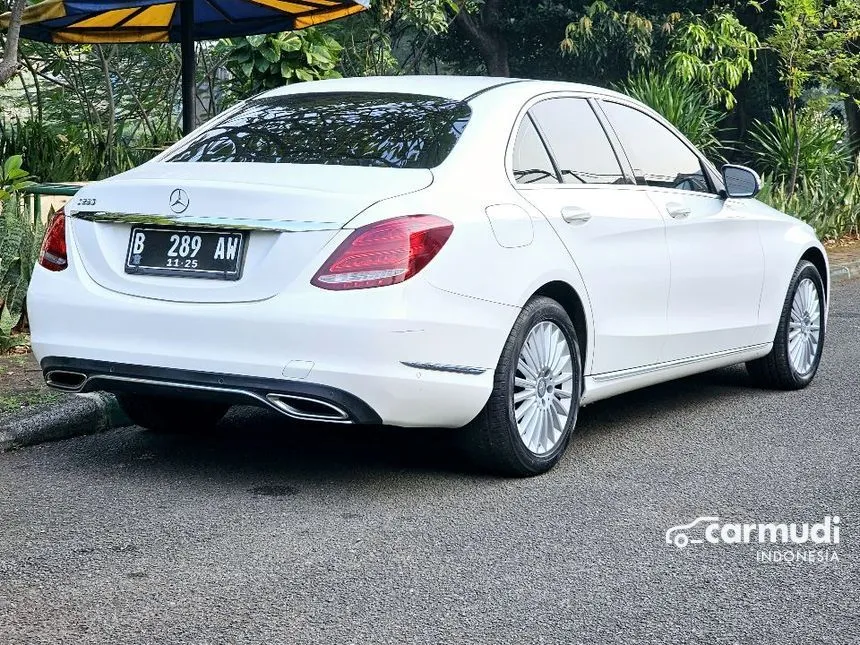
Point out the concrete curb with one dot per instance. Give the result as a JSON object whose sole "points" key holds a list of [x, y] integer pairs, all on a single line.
{"points": [[845, 271], [75, 415]]}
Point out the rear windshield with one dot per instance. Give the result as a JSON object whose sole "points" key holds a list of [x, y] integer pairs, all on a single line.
{"points": [[338, 128]]}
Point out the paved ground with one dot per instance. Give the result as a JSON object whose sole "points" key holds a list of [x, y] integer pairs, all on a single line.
{"points": [[270, 533]]}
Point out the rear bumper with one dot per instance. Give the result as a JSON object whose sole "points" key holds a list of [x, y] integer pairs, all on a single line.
{"points": [[306, 340], [299, 400]]}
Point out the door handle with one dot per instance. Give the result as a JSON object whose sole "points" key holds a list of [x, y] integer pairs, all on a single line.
{"points": [[575, 215], [677, 211]]}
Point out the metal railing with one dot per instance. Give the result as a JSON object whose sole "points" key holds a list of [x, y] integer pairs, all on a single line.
{"points": [[33, 195]]}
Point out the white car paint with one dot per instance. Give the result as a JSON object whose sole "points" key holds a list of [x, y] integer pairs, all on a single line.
{"points": [[661, 298]]}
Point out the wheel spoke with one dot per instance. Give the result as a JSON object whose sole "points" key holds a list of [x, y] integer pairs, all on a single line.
{"points": [[527, 357], [529, 371], [524, 383], [521, 411], [563, 378], [519, 397]]}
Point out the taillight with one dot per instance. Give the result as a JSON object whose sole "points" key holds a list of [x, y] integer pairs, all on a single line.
{"points": [[53, 254], [384, 253]]}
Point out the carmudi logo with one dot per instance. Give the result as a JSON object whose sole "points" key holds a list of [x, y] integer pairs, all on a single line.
{"points": [[817, 538]]}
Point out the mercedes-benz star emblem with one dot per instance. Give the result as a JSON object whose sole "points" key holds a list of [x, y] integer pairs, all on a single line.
{"points": [[179, 201]]}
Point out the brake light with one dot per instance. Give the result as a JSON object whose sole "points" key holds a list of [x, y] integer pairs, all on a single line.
{"points": [[53, 254], [384, 253]]}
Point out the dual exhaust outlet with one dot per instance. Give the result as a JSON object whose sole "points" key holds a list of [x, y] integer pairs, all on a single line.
{"points": [[304, 408]]}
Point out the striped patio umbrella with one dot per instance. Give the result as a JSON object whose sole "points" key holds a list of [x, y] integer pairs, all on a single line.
{"points": [[182, 21]]}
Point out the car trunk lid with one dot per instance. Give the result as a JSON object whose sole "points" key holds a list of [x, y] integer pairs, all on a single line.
{"points": [[289, 213]]}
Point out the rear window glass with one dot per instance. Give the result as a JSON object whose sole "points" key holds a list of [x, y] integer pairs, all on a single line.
{"points": [[343, 128]]}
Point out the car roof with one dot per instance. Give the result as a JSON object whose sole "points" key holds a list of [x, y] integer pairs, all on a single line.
{"points": [[452, 87]]}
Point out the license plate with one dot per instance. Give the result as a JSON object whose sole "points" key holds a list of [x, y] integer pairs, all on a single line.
{"points": [[185, 253]]}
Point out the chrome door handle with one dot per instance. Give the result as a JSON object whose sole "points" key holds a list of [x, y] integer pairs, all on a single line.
{"points": [[677, 211], [575, 215]]}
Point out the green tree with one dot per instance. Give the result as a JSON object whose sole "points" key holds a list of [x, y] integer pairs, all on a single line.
{"points": [[259, 63], [393, 37], [794, 39]]}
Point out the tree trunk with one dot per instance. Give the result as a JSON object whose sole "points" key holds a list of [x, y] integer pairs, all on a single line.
{"points": [[9, 64], [484, 30], [795, 161], [852, 118], [110, 138]]}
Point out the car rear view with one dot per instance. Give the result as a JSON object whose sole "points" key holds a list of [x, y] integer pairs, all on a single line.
{"points": [[229, 271]]}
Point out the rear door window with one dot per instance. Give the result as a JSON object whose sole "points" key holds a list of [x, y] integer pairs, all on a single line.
{"points": [[659, 158], [578, 142], [336, 128]]}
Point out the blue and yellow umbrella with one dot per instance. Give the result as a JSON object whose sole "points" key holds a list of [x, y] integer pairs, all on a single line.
{"points": [[182, 21]]}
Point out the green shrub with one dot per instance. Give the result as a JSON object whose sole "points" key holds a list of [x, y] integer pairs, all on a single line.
{"points": [[20, 241], [267, 61], [682, 104], [55, 153], [47, 152], [827, 201], [822, 140]]}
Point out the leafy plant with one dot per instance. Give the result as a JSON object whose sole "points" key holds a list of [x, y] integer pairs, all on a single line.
{"points": [[610, 39], [259, 63], [46, 150], [683, 104], [13, 177], [790, 152], [715, 51], [830, 203], [20, 242]]}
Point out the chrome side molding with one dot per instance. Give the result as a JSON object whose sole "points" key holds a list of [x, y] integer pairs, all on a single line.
{"points": [[439, 367], [647, 369]]}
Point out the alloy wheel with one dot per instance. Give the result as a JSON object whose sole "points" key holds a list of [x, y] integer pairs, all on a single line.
{"points": [[543, 388], [804, 327]]}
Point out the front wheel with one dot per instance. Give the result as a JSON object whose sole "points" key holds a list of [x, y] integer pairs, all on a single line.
{"points": [[167, 415], [527, 422], [796, 353]]}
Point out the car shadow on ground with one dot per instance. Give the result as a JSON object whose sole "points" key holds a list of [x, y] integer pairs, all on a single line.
{"points": [[252, 441]]}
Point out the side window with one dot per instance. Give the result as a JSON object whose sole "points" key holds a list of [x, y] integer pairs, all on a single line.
{"points": [[577, 141], [532, 164], [659, 158]]}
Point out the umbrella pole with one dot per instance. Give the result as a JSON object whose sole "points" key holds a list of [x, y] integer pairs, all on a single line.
{"points": [[189, 98]]}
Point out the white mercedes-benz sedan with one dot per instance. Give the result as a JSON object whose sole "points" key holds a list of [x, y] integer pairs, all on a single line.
{"points": [[477, 253]]}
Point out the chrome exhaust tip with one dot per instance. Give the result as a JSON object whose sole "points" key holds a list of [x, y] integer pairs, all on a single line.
{"points": [[65, 380], [308, 409]]}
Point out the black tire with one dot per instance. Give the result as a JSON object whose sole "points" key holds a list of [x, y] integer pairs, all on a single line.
{"points": [[166, 415], [776, 370], [492, 439]]}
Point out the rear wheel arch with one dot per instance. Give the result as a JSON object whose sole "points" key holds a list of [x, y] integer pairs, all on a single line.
{"points": [[816, 257], [569, 299]]}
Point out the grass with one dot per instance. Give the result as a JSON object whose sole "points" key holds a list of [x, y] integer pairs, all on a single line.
{"points": [[21, 384], [15, 402]]}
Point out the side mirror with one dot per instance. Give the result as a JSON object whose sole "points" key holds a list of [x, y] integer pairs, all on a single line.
{"points": [[740, 181]]}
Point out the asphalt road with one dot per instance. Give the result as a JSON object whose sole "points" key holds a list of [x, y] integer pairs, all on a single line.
{"points": [[273, 533]]}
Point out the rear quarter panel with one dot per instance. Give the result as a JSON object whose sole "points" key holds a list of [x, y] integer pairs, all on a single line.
{"points": [[474, 263]]}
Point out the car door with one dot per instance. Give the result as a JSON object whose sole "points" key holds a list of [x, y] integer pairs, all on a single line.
{"points": [[564, 164], [714, 247]]}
